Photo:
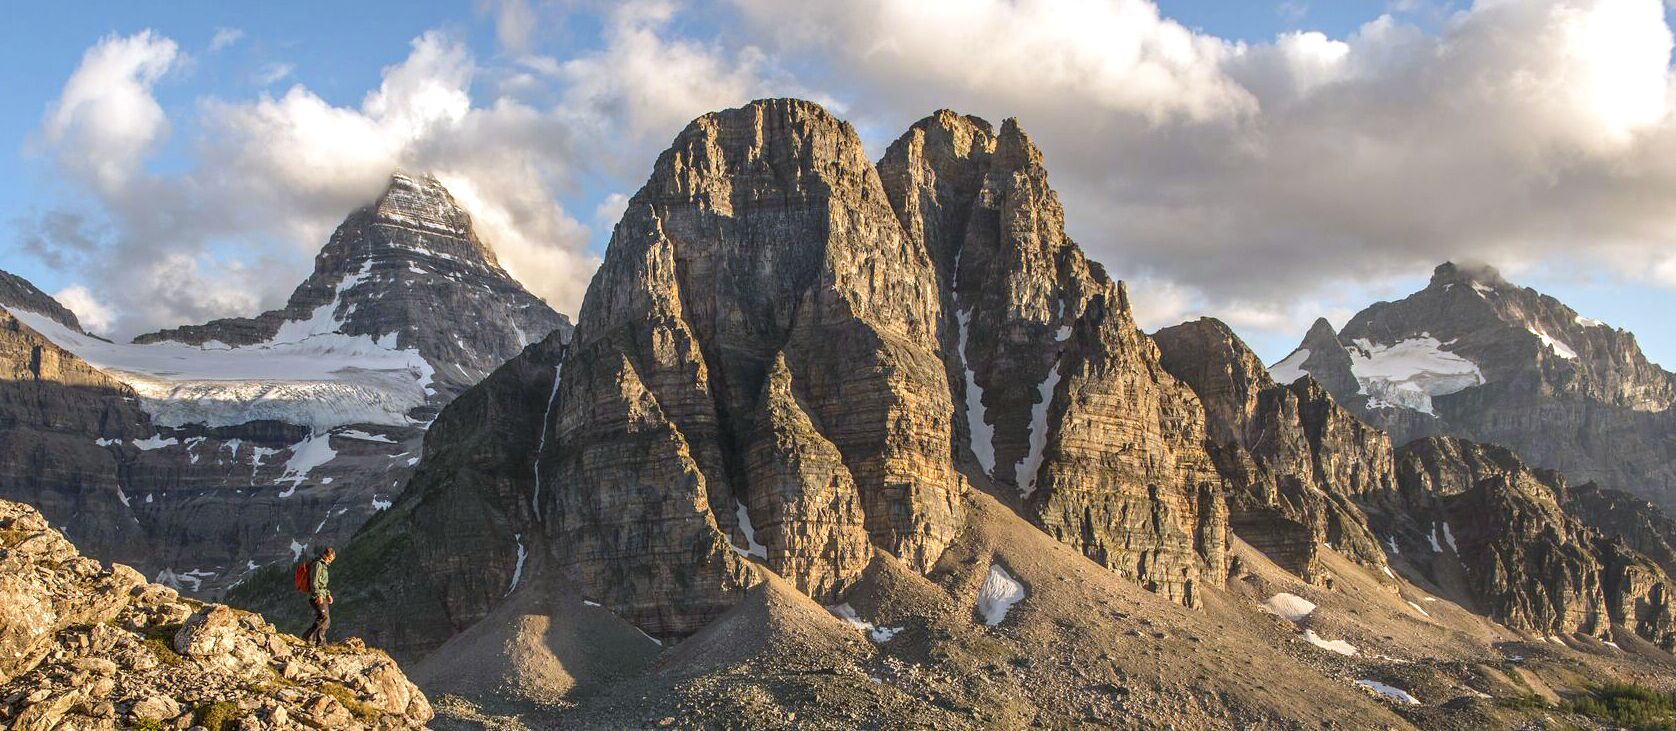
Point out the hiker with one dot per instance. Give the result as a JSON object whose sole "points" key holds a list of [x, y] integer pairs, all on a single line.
{"points": [[319, 596]]}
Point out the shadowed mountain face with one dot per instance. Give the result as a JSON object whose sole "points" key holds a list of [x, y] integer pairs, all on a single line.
{"points": [[1476, 357], [202, 453]]}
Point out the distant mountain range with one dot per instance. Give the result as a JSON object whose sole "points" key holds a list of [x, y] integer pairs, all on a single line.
{"points": [[1474, 356], [203, 452]]}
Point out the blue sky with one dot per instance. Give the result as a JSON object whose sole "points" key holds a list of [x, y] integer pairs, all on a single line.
{"points": [[548, 128]]}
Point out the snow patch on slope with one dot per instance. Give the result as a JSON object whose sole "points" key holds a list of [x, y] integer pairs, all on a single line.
{"points": [[878, 635], [1560, 349], [1291, 368], [311, 452], [1000, 591], [1291, 607], [1339, 646], [1032, 462], [1411, 372], [752, 547], [1396, 694]]}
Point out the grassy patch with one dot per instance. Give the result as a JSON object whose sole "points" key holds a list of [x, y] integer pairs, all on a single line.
{"points": [[364, 711], [1634, 707], [164, 653], [221, 716], [147, 724]]}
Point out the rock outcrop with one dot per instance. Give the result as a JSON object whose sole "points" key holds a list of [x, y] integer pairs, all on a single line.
{"points": [[1494, 533], [1296, 462], [1063, 407], [1474, 356], [203, 453], [89, 647]]}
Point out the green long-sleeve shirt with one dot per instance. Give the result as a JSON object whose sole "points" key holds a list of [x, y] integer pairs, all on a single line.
{"points": [[319, 575]]}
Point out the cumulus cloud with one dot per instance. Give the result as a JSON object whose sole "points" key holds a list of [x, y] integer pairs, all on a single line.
{"points": [[1260, 181], [94, 315], [106, 118]]}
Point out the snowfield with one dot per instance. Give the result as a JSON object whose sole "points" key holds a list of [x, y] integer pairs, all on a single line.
{"points": [[308, 374], [1411, 372], [1560, 349], [1290, 369]]}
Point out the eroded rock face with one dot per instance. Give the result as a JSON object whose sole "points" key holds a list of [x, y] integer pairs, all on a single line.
{"points": [[1482, 524], [1063, 408], [1296, 461], [85, 646], [1474, 356], [763, 237]]}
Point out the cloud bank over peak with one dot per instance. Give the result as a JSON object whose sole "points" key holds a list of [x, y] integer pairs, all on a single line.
{"points": [[1244, 178], [266, 179], [1262, 182]]}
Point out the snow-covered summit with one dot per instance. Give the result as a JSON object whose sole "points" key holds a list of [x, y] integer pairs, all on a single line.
{"points": [[406, 308]]}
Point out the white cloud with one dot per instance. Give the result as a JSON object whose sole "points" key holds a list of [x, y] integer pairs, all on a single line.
{"points": [[272, 73], [106, 120], [95, 317], [225, 37], [1244, 179], [514, 22], [234, 229]]}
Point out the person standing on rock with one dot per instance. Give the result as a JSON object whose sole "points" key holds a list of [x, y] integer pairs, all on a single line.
{"points": [[320, 597]]}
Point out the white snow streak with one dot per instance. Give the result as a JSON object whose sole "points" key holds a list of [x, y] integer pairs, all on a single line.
{"points": [[752, 547], [535, 497], [1560, 349], [879, 635], [980, 432], [518, 570], [1339, 646], [154, 442], [1396, 694], [311, 452]]}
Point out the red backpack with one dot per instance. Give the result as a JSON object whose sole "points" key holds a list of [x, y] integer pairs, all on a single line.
{"points": [[299, 576]]}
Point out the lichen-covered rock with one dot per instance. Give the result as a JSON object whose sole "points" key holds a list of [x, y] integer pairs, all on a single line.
{"points": [[113, 651]]}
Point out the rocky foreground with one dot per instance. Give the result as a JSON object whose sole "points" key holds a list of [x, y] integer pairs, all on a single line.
{"points": [[84, 646]]}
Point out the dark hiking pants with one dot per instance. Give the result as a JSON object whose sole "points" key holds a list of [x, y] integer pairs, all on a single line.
{"points": [[316, 634]]}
